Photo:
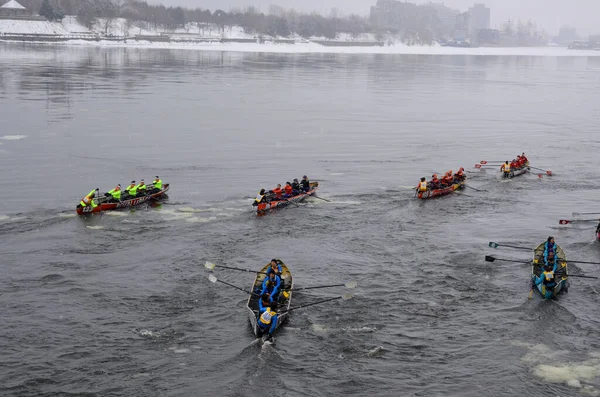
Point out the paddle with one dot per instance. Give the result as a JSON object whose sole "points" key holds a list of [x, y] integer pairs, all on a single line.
{"points": [[351, 284], [548, 172], [477, 190], [344, 297], [492, 259], [320, 198], [576, 275], [483, 165], [566, 221], [213, 280], [585, 213], [496, 245], [211, 266]]}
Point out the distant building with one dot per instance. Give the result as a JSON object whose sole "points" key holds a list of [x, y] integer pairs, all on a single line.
{"points": [[13, 9], [479, 18], [446, 15], [461, 27], [566, 34], [392, 15]]}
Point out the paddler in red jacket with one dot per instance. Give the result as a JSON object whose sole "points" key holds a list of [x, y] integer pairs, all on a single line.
{"points": [[447, 178], [277, 191], [434, 183], [524, 158], [460, 176], [288, 190]]}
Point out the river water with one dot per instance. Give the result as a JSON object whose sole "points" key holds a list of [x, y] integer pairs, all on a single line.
{"points": [[120, 304]]}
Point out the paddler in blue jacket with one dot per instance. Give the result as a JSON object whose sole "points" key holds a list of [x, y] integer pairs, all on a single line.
{"points": [[549, 245], [546, 278], [271, 286], [551, 261], [268, 319], [275, 267], [264, 302]]}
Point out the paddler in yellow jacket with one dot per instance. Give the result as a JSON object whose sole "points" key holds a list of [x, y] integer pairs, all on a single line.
{"points": [[267, 321], [131, 190], [115, 194], [89, 199], [156, 184], [141, 188], [422, 186], [506, 169]]}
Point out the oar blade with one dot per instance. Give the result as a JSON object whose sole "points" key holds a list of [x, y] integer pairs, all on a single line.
{"points": [[351, 284], [346, 296], [209, 265], [477, 165], [212, 278], [489, 258], [549, 173], [493, 244], [540, 176], [564, 222], [483, 162]]}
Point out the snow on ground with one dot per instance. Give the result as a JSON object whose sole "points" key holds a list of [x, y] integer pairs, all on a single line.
{"points": [[71, 24], [317, 48], [18, 26]]}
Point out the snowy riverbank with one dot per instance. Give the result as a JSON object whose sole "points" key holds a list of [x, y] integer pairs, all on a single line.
{"points": [[122, 33]]}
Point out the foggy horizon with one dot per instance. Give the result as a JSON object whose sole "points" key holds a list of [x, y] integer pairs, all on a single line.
{"points": [[549, 15]]}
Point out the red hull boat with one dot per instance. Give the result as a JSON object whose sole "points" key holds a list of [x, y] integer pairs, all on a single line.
{"points": [[105, 206]]}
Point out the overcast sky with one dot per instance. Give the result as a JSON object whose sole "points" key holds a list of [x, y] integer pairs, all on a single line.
{"points": [[549, 14]]}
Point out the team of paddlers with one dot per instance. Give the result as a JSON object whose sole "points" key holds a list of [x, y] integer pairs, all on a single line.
{"points": [[447, 180], [132, 191], [289, 190], [271, 292], [516, 164], [549, 265]]}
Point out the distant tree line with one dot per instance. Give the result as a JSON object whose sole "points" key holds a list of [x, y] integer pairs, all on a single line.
{"points": [[277, 22]]}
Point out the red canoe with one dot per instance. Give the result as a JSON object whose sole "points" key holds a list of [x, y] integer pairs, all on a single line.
{"points": [[263, 207], [104, 206], [440, 192]]}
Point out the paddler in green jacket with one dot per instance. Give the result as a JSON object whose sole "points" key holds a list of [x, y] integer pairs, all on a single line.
{"points": [[132, 189], [89, 199], [141, 188], [157, 183], [115, 194]]}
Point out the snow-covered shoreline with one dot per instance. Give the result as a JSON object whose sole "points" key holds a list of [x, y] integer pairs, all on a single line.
{"points": [[122, 33], [303, 48]]}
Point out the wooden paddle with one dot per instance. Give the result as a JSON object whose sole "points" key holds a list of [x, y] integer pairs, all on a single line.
{"points": [[492, 259], [213, 280], [566, 221], [350, 284], [211, 266], [320, 198], [344, 297], [585, 213], [548, 172], [477, 190], [496, 245]]}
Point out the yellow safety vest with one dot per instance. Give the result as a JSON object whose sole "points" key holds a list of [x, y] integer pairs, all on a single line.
{"points": [[158, 184], [258, 198], [506, 167], [115, 193], [266, 317], [141, 187], [548, 275], [132, 190], [423, 186]]}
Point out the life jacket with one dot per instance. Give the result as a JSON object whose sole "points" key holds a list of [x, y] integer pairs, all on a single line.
{"points": [[524, 158], [513, 164], [141, 186], [548, 279], [422, 186], [87, 200], [548, 248], [132, 190], [157, 183], [288, 189], [266, 317], [116, 193], [506, 167], [277, 191], [259, 197]]}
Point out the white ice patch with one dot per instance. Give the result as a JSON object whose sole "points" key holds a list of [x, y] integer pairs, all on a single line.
{"points": [[200, 220], [13, 137], [569, 373], [95, 227], [4, 217]]}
